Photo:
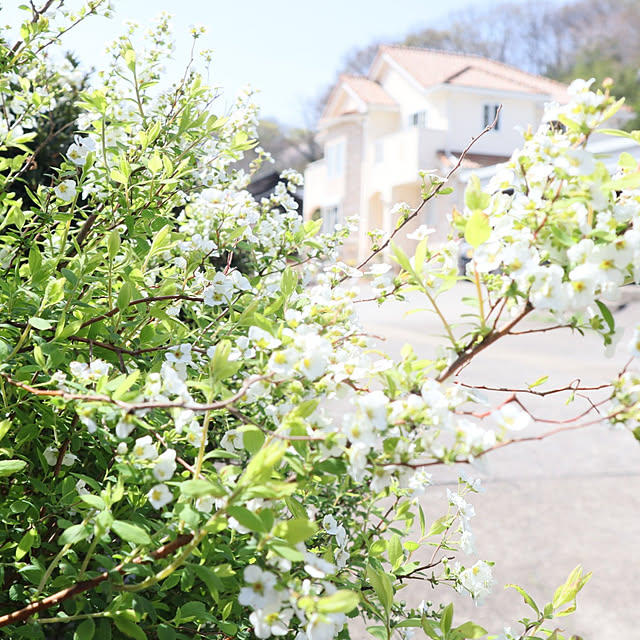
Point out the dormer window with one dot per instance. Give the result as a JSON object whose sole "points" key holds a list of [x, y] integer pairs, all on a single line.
{"points": [[418, 119], [489, 113]]}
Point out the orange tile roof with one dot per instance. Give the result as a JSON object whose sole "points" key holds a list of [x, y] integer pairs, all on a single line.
{"points": [[430, 68], [367, 90], [470, 161]]}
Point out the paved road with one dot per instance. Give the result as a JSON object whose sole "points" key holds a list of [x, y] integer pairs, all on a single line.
{"points": [[549, 505]]}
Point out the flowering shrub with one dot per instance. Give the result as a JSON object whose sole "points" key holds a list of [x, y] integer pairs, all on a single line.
{"points": [[189, 450]]}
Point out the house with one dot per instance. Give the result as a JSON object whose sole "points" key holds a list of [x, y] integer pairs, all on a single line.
{"points": [[417, 109]]}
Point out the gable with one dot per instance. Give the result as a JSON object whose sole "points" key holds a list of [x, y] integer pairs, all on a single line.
{"points": [[428, 68]]}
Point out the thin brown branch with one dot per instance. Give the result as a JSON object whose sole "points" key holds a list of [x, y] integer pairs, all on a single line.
{"points": [[147, 300], [473, 349], [572, 386], [130, 407], [540, 330], [65, 594]]}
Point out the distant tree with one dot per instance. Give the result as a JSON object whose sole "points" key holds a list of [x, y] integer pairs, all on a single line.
{"points": [[358, 60]]}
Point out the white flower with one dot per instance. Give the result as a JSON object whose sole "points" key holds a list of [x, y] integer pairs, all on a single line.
{"points": [[317, 567], [330, 525], [260, 591], [180, 354], [66, 190], [466, 511], [125, 426], [341, 556], [477, 580], [159, 496], [467, 542], [374, 406], [81, 488], [512, 417], [634, 344], [270, 620], [204, 504], [145, 449], [165, 465], [92, 372], [51, 456], [421, 232], [261, 339]]}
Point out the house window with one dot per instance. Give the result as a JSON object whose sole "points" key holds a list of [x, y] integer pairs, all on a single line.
{"points": [[330, 217], [418, 119], [379, 152], [334, 154], [489, 113]]}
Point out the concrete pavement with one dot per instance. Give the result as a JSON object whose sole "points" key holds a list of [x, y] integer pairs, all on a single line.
{"points": [[549, 505]]}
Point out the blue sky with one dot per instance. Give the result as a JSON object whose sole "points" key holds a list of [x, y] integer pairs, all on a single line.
{"points": [[288, 49]]}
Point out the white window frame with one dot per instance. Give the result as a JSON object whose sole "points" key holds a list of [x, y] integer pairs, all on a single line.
{"points": [[378, 151], [334, 156], [418, 119], [330, 218], [489, 113]]}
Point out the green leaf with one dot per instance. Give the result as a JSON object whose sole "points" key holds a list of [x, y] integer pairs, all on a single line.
{"points": [[440, 525], [562, 236], [423, 522], [396, 555], [40, 323], [446, 619], [200, 488], [261, 466], [477, 230], [118, 176], [296, 507], [342, 601], [9, 467], [210, 579], [527, 598], [288, 282], [627, 161], [607, 315], [125, 295], [402, 258], [470, 630], [378, 632], [25, 544], [129, 628], [113, 244], [247, 519], [474, 198], [155, 163], [71, 277], [54, 292], [131, 532], [538, 382], [5, 425], [567, 592], [165, 632], [252, 439], [287, 552], [130, 59], [295, 530], [161, 239], [382, 586], [35, 261], [75, 533], [93, 501], [85, 630]]}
